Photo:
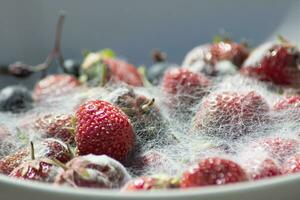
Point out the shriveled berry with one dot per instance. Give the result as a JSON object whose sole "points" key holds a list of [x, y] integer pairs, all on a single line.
{"points": [[145, 116], [20, 69], [93, 172]]}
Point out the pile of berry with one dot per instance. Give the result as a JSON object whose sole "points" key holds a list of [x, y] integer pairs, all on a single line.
{"points": [[226, 115]]}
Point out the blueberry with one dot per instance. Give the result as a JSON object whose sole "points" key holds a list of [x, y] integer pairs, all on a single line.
{"points": [[72, 67], [15, 99], [156, 71]]}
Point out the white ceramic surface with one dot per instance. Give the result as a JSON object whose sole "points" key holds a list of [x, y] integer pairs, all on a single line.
{"points": [[133, 27]]}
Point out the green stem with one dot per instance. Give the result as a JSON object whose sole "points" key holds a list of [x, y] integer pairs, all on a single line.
{"points": [[32, 151]]}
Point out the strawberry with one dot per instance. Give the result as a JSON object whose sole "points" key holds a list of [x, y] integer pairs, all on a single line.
{"points": [[279, 148], [54, 85], [93, 172], [262, 168], [151, 183], [120, 70], [278, 64], [291, 165], [53, 148], [103, 66], [10, 162], [56, 126], [36, 170], [227, 50], [289, 103], [153, 162], [183, 88], [102, 128], [213, 171], [145, 116], [206, 58], [48, 148], [231, 114]]}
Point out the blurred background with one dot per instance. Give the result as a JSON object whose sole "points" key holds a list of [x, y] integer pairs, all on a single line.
{"points": [[134, 27]]}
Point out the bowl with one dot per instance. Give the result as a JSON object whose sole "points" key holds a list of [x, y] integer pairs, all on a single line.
{"points": [[175, 27], [278, 188]]}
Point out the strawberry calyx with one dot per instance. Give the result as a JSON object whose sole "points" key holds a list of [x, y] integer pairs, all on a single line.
{"points": [[148, 105]]}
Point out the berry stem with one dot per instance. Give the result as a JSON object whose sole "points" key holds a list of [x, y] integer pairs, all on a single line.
{"points": [[54, 54], [32, 151], [60, 164], [70, 151], [56, 51]]}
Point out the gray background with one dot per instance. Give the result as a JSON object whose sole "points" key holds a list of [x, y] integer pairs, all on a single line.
{"points": [[134, 27]]}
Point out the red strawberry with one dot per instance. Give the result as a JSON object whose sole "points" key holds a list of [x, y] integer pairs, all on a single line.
{"points": [[151, 183], [280, 148], [102, 128], [120, 70], [205, 58], [10, 162], [230, 114], [227, 50], [213, 171], [265, 168], [184, 88], [289, 103], [291, 165], [36, 170], [55, 85], [52, 148], [93, 172], [56, 126], [279, 64]]}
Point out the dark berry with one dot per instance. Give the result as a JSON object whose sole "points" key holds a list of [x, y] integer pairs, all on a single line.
{"points": [[15, 99]]}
